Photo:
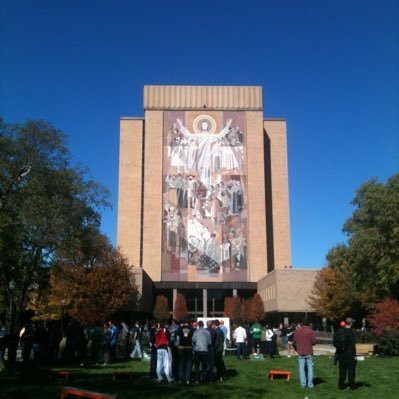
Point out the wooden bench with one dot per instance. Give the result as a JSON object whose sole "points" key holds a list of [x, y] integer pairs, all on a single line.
{"points": [[279, 373], [83, 393], [123, 374], [62, 373], [365, 349]]}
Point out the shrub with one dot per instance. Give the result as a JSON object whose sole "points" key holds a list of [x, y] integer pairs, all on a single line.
{"points": [[365, 337], [385, 316], [388, 342]]}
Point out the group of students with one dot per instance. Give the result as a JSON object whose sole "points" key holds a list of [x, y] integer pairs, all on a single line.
{"points": [[254, 338], [175, 349]]}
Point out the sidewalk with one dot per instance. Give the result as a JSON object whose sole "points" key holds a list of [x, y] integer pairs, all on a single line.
{"points": [[318, 349]]}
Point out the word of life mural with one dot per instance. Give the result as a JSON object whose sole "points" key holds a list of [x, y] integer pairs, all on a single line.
{"points": [[204, 197]]}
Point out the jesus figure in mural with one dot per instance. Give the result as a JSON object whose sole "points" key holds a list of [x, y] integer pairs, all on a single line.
{"points": [[205, 141]]}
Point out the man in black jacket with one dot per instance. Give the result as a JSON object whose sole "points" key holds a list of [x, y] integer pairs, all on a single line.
{"points": [[219, 347], [344, 341], [185, 335]]}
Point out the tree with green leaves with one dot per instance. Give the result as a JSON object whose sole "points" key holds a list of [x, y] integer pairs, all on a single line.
{"points": [[47, 206], [366, 267]]}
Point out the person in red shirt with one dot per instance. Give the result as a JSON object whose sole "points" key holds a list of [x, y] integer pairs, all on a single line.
{"points": [[162, 338], [304, 340]]}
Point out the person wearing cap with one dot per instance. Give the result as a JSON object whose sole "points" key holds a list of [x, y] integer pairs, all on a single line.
{"points": [[345, 342]]}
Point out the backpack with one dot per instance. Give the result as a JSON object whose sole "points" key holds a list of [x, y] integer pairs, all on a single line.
{"points": [[341, 341]]}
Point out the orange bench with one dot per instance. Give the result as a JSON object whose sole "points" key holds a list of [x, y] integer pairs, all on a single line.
{"points": [[279, 373], [62, 373], [117, 374], [82, 393]]}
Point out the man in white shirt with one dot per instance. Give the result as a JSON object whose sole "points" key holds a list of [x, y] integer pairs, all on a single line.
{"points": [[240, 337]]}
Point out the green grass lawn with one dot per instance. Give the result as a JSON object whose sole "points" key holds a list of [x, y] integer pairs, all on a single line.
{"points": [[376, 378]]}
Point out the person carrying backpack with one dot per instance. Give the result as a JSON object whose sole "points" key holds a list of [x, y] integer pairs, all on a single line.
{"points": [[341, 326], [345, 342]]}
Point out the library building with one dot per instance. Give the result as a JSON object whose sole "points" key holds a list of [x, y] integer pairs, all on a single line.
{"points": [[203, 205]]}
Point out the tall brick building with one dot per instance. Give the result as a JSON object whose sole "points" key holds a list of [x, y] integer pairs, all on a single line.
{"points": [[203, 201]]}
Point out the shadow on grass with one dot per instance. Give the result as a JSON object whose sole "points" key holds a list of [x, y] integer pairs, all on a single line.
{"points": [[318, 381], [362, 384], [232, 373]]}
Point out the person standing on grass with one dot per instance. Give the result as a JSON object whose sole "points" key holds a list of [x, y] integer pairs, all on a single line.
{"points": [[185, 352], [153, 356], [125, 339], [240, 338], [223, 328], [270, 341], [106, 344], [304, 340], [345, 342], [210, 326], [114, 341], [290, 340], [136, 333], [256, 332], [219, 347], [283, 335], [201, 342], [162, 338]]}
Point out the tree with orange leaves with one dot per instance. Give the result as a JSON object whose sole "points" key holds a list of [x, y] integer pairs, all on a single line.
{"points": [[246, 309], [330, 295], [257, 308], [88, 288], [180, 311], [236, 308], [161, 308], [228, 306]]}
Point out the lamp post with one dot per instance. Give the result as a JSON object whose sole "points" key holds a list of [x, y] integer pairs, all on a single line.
{"points": [[11, 288], [62, 315]]}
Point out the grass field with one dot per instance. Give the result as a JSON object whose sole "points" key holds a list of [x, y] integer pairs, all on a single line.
{"points": [[377, 378]]}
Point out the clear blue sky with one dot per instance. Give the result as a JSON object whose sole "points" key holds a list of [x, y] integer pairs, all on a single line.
{"points": [[329, 67]]}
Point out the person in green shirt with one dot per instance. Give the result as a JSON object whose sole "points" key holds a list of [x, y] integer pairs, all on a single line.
{"points": [[256, 332]]}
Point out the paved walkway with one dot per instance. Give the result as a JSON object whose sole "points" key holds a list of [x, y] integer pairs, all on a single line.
{"points": [[318, 349]]}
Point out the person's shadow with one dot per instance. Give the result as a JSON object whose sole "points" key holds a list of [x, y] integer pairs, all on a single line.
{"points": [[362, 384], [318, 381]]}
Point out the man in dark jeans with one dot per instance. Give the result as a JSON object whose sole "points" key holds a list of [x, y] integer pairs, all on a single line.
{"points": [[345, 342], [219, 346], [201, 342], [185, 335], [210, 326]]}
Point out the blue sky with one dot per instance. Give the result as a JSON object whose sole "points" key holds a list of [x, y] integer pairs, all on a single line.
{"points": [[329, 67]]}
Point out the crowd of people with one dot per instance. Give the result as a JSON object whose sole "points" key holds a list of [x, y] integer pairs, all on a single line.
{"points": [[182, 352]]}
